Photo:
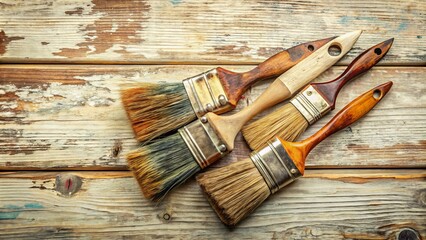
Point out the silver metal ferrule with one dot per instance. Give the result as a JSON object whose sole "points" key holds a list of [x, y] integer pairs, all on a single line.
{"points": [[275, 166], [203, 142], [206, 93], [310, 104]]}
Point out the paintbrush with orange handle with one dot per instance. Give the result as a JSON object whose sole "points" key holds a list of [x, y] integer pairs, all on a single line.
{"points": [[237, 189]]}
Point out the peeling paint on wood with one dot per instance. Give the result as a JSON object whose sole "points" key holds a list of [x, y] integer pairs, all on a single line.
{"points": [[242, 48], [267, 52], [12, 143], [111, 28], [220, 32], [5, 40], [32, 92], [12, 211]]}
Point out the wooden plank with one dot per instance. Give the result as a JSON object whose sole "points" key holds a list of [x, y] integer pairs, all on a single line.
{"points": [[62, 116], [336, 204], [201, 32]]}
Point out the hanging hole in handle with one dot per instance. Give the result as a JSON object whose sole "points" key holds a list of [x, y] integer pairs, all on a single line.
{"points": [[378, 51], [311, 48], [377, 94], [334, 50]]}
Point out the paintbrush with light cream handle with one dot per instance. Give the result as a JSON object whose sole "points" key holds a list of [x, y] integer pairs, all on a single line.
{"points": [[157, 108], [239, 188], [165, 163], [310, 104]]}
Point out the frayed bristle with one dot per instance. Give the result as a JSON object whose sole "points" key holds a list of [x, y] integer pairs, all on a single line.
{"points": [[235, 190], [162, 165], [286, 122], [155, 109]]}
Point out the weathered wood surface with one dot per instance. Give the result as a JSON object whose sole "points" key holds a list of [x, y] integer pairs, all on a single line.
{"points": [[61, 116], [69, 117], [220, 31], [336, 204]]}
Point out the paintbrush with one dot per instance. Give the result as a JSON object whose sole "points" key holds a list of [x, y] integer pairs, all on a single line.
{"points": [[165, 163], [309, 105], [237, 189], [155, 109]]}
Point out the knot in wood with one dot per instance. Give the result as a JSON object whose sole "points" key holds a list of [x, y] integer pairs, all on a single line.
{"points": [[68, 184]]}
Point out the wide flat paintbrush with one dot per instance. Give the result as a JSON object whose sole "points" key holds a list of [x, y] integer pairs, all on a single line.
{"points": [[165, 163], [155, 109], [237, 189], [310, 104]]}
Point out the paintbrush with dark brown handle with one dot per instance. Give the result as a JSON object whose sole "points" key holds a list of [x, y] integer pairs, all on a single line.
{"points": [[155, 109]]}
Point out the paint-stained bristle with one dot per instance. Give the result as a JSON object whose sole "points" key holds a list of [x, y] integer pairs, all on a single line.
{"points": [[234, 190], [286, 122], [162, 165], [155, 109]]}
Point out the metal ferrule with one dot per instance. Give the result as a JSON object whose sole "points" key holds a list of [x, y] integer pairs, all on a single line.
{"points": [[310, 104], [275, 166], [203, 142], [206, 93]]}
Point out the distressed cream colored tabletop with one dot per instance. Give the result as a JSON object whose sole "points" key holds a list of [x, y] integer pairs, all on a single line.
{"points": [[64, 133]]}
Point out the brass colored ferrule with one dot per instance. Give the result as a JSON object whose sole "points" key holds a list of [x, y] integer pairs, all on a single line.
{"points": [[310, 104], [203, 142], [206, 93], [275, 166]]}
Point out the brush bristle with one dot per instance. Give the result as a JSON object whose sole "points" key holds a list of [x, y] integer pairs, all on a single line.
{"points": [[286, 122], [155, 109], [162, 165], [235, 190]]}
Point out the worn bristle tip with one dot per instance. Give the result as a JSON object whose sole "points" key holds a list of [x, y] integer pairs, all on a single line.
{"points": [[155, 109], [234, 191], [286, 122], [162, 165]]}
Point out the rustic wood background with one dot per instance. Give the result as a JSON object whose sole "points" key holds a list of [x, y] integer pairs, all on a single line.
{"points": [[64, 133]]}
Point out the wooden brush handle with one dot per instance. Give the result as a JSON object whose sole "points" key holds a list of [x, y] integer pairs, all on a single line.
{"points": [[235, 84], [304, 72], [348, 115], [361, 64], [227, 127]]}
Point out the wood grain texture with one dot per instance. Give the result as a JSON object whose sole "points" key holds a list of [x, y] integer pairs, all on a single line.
{"points": [[337, 204], [62, 116], [242, 32]]}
